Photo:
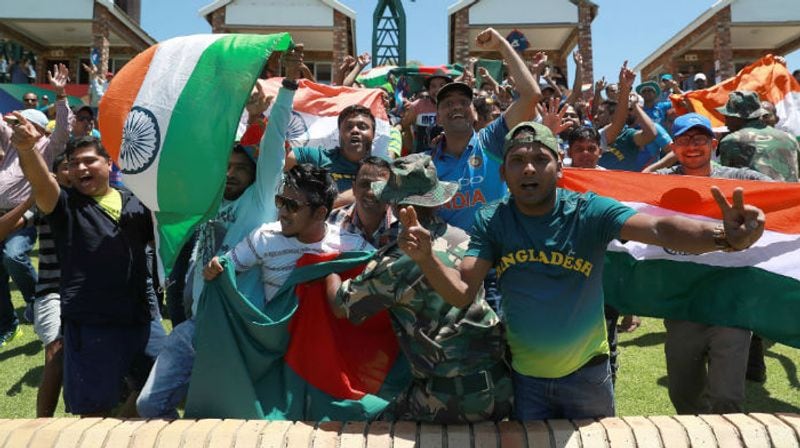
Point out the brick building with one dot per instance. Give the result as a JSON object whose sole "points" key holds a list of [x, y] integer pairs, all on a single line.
{"points": [[555, 27], [327, 28], [66, 31], [728, 36]]}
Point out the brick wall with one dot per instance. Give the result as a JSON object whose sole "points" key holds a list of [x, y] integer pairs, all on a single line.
{"points": [[218, 21], [585, 17], [460, 37], [722, 43], [672, 58], [668, 59], [342, 40], [100, 33], [754, 430]]}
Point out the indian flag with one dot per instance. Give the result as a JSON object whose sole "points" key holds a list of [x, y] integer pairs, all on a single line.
{"points": [[770, 79], [316, 109], [758, 288], [169, 118]]}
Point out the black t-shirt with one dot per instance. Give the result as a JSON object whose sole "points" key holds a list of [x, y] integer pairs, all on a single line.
{"points": [[103, 262]]}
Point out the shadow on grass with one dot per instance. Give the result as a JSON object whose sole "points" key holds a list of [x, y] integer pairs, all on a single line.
{"points": [[31, 379], [646, 340], [29, 349], [759, 400], [789, 366], [757, 397]]}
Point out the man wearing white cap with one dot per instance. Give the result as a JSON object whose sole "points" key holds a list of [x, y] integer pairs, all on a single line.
{"points": [[700, 81]]}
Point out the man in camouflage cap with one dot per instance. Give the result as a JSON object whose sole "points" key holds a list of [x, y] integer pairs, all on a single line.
{"points": [[752, 144], [456, 354]]}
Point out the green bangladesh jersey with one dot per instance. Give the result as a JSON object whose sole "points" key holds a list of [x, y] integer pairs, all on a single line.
{"points": [[550, 271]]}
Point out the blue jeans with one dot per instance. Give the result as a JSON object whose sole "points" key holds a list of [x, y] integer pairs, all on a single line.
{"points": [[16, 263], [168, 382], [585, 393]]}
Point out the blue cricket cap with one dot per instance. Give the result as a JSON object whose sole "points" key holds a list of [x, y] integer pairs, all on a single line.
{"points": [[689, 121]]}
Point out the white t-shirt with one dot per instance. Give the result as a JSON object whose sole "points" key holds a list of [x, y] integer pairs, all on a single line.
{"points": [[277, 254]]}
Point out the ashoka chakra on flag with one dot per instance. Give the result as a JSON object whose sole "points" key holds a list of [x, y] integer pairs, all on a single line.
{"points": [[141, 140], [169, 118]]}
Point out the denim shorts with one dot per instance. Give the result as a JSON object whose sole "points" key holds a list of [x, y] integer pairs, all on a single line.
{"points": [[47, 318], [586, 393]]}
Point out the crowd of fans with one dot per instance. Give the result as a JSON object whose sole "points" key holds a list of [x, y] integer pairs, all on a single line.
{"points": [[492, 274]]}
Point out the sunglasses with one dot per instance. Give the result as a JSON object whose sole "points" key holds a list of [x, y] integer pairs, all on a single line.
{"points": [[84, 118], [291, 205]]}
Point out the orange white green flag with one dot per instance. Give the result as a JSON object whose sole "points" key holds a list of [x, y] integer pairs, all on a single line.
{"points": [[770, 79], [169, 119], [758, 288]]}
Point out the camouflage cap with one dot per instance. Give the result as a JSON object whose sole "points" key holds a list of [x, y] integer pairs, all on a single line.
{"points": [[541, 134], [413, 181], [742, 104]]}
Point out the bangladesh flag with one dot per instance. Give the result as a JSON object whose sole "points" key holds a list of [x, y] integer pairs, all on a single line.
{"points": [[758, 288], [294, 360], [169, 119], [415, 75]]}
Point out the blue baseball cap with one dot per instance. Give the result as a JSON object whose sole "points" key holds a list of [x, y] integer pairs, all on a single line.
{"points": [[689, 121]]}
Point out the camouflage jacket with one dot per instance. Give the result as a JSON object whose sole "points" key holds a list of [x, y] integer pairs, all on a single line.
{"points": [[437, 338], [764, 149]]}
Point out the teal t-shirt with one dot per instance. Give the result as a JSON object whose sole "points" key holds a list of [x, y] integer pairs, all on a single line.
{"points": [[622, 154], [342, 170], [550, 271]]}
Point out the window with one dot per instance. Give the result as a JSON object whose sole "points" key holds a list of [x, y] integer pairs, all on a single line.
{"points": [[323, 71], [114, 66]]}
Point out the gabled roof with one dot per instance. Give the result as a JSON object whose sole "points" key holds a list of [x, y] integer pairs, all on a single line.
{"points": [[122, 17], [702, 18], [461, 4], [338, 6]]}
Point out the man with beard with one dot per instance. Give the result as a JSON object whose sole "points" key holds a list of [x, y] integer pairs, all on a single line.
{"points": [[548, 246], [456, 356], [367, 216], [251, 181]]}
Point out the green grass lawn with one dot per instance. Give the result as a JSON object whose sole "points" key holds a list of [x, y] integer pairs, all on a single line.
{"points": [[641, 385]]}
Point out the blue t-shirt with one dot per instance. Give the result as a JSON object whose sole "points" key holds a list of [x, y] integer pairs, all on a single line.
{"points": [[652, 151], [342, 170], [658, 113], [550, 274], [477, 172], [625, 155]]}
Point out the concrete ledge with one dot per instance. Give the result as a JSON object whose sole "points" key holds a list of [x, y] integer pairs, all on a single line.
{"points": [[731, 430]]}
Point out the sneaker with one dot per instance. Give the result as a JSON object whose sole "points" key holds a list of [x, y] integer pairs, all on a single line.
{"points": [[28, 314], [9, 336]]}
